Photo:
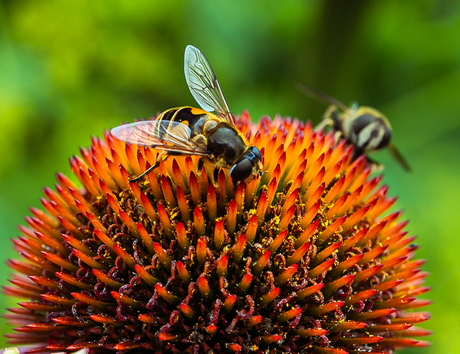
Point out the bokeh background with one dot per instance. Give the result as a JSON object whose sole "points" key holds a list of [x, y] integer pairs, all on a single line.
{"points": [[70, 69]]}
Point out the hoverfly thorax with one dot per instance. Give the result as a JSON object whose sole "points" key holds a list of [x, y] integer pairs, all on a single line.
{"points": [[224, 140], [186, 131], [366, 128]]}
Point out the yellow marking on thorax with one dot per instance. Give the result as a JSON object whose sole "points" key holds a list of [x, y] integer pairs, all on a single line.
{"points": [[197, 111]]}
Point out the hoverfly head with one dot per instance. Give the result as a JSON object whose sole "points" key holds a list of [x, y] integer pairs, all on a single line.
{"points": [[249, 164]]}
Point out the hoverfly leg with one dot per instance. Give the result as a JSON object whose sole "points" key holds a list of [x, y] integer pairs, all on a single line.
{"points": [[337, 137], [331, 120], [136, 179], [376, 167], [324, 123], [151, 168], [328, 118]]}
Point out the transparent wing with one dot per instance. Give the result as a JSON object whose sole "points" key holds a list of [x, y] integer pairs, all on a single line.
{"points": [[399, 157], [322, 97], [171, 136], [203, 84]]}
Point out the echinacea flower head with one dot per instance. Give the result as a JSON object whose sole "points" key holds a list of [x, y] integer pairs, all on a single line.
{"points": [[306, 259]]}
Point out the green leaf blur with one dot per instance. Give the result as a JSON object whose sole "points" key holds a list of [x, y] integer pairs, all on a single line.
{"points": [[70, 69]]}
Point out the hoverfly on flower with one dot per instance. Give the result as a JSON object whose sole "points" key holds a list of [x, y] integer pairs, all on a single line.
{"points": [[365, 128], [189, 131]]}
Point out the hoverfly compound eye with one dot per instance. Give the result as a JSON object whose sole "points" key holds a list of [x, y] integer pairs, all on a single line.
{"points": [[256, 152], [241, 170], [386, 138]]}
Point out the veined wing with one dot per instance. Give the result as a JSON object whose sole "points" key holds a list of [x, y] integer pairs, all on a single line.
{"points": [[203, 84], [399, 157], [322, 97], [162, 135]]}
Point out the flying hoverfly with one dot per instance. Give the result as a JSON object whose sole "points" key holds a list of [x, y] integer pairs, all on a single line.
{"points": [[363, 127], [186, 131]]}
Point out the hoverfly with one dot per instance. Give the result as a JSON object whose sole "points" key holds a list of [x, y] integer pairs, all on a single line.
{"points": [[363, 127], [189, 131]]}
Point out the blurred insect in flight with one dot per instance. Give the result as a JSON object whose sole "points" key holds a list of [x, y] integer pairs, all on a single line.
{"points": [[364, 127], [189, 131]]}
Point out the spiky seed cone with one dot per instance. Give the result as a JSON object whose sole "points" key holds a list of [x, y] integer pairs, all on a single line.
{"points": [[304, 260]]}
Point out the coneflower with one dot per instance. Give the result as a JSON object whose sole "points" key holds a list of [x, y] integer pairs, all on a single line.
{"points": [[305, 259]]}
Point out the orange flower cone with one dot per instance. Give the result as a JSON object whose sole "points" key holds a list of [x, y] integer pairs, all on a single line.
{"points": [[305, 259]]}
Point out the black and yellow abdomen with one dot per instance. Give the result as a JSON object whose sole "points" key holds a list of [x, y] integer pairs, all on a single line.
{"points": [[186, 115]]}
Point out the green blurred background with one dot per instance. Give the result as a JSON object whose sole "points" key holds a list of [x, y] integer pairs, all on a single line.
{"points": [[70, 69]]}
